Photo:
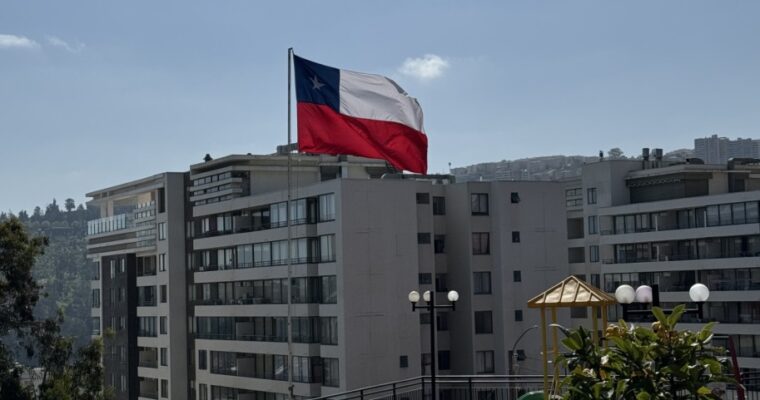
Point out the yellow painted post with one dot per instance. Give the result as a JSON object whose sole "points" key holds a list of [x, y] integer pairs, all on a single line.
{"points": [[545, 355], [604, 323], [596, 325], [555, 351]]}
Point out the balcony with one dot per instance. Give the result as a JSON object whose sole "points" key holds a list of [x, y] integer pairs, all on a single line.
{"points": [[149, 388], [147, 357], [109, 224]]}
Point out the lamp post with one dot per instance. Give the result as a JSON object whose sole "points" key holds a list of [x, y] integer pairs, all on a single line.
{"points": [[429, 298], [511, 360], [510, 367], [645, 294]]}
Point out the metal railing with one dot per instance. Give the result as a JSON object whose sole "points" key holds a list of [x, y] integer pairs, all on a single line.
{"points": [[490, 387], [449, 387]]}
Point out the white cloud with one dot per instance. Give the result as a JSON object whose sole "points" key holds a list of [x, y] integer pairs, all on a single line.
{"points": [[429, 66], [17, 42], [58, 42]]}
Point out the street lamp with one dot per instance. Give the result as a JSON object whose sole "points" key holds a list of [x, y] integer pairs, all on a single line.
{"points": [[645, 294], [429, 298], [511, 354]]}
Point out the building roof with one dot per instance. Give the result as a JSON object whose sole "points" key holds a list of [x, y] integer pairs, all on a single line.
{"points": [[571, 292]]}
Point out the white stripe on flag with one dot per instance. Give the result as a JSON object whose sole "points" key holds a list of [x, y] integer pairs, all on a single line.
{"points": [[379, 98]]}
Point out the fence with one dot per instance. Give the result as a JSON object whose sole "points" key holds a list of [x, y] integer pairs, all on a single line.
{"points": [[491, 387]]}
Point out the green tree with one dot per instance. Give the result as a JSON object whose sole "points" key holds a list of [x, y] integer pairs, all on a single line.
{"points": [[69, 204], [642, 363], [615, 153], [66, 375]]}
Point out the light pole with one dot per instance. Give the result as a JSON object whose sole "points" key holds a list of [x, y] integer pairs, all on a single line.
{"points": [[510, 362], [510, 366], [645, 294], [429, 298]]}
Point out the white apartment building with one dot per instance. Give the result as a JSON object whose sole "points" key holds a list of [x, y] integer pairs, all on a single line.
{"points": [[361, 237], [672, 225]]}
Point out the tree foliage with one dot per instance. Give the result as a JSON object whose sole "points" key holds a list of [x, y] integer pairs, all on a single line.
{"points": [[642, 363], [65, 374]]}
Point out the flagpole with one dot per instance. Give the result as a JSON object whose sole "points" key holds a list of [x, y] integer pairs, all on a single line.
{"points": [[289, 363]]}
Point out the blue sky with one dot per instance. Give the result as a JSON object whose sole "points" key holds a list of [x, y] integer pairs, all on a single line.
{"points": [[95, 93]]}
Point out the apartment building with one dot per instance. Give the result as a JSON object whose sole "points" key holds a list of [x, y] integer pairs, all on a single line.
{"points": [[361, 237], [718, 150], [672, 225], [137, 249]]}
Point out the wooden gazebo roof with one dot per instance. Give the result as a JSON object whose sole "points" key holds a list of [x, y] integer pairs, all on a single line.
{"points": [[571, 292]]}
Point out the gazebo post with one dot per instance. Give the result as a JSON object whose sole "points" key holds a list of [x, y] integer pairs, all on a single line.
{"points": [[604, 324], [555, 351], [545, 352], [595, 325]]}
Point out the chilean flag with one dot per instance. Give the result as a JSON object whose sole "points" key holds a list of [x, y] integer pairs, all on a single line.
{"points": [[346, 112]]}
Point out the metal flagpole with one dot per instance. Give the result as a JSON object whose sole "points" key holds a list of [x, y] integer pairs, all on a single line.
{"points": [[289, 363]]}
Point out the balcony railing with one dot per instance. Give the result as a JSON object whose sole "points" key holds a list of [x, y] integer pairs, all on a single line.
{"points": [[492, 387], [109, 224]]}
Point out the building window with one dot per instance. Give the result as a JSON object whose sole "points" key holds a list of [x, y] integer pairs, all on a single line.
{"points": [[96, 271], [444, 357], [164, 388], [440, 283], [425, 279], [164, 356], [442, 321], [439, 205], [591, 195], [481, 282], [162, 325], [483, 322], [162, 262], [327, 207], [162, 231], [479, 203], [330, 375], [514, 197], [518, 315], [403, 362], [95, 298], [203, 391], [202, 359], [484, 362], [96, 326], [123, 265], [423, 198], [481, 243], [593, 228], [423, 238], [163, 293], [439, 244], [515, 237], [123, 383], [122, 294], [516, 276], [593, 253], [112, 268]]}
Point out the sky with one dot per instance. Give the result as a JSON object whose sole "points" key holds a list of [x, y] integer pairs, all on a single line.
{"points": [[96, 93]]}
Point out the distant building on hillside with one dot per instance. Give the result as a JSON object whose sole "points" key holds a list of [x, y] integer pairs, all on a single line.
{"points": [[718, 150]]}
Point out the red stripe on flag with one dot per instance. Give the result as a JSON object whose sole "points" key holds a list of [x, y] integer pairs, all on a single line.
{"points": [[321, 130]]}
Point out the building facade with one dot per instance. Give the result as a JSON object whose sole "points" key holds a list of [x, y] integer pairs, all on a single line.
{"points": [[645, 222], [137, 248], [336, 255], [718, 150]]}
